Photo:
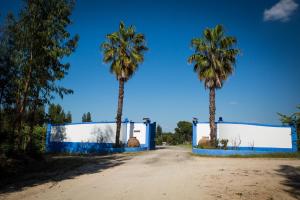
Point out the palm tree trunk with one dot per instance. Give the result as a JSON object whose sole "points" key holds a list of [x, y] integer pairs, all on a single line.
{"points": [[212, 113], [119, 112]]}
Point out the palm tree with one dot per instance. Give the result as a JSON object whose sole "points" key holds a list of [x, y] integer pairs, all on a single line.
{"points": [[214, 60], [124, 51]]}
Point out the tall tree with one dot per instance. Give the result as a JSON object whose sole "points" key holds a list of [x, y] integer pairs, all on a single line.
{"points": [[158, 130], [68, 117], [88, 117], [42, 40], [83, 117], [158, 135], [183, 132], [56, 114], [124, 51], [214, 60]]}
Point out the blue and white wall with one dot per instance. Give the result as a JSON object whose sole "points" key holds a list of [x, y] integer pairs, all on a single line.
{"points": [[250, 136], [95, 137]]}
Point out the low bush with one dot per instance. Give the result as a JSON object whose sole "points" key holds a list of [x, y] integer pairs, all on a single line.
{"points": [[223, 143]]}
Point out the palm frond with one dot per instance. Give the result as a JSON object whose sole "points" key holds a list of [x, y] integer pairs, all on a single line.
{"points": [[124, 49], [215, 56]]}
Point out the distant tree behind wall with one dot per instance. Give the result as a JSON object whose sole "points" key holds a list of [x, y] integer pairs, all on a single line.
{"points": [[83, 117], [183, 132], [158, 139], [182, 135], [56, 115], [292, 120], [169, 138], [68, 117], [87, 117]]}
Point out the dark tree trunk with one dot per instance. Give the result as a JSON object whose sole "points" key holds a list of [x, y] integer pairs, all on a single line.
{"points": [[119, 112], [33, 117], [21, 109], [212, 113]]}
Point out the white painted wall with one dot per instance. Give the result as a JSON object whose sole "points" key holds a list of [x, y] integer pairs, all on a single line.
{"points": [[249, 135], [203, 130], [138, 130], [258, 136], [97, 132]]}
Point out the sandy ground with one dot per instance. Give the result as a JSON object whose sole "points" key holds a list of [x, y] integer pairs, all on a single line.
{"points": [[173, 173]]}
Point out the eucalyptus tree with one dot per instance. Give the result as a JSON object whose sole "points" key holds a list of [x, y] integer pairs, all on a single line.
{"points": [[214, 60], [41, 41], [124, 51]]}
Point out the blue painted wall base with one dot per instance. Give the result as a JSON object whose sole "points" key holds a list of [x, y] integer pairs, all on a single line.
{"points": [[222, 152], [84, 147]]}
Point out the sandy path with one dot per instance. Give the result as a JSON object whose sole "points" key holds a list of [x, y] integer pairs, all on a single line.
{"points": [[172, 173]]}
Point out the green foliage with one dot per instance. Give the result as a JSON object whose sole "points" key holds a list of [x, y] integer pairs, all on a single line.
{"points": [[86, 117], [183, 132], [292, 120], [124, 50], [68, 117], [32, 49], [36, 144], [214, 56], [158, 136], [182, 135], [169, 138], [56, 115], [223, 143]]}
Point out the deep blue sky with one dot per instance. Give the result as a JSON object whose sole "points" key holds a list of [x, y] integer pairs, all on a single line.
{"points": [[165, 88]]}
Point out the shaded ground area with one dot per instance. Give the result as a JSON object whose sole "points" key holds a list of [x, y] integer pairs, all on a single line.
{"points": [[29, 172], [292, 179], [167, 173]]}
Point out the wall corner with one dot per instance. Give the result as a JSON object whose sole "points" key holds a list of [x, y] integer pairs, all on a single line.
{"points": [[194, 140], [148, 132]]}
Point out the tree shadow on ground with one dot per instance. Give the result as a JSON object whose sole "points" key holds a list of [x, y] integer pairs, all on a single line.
{"points": [[55, 168], [292, 179]]}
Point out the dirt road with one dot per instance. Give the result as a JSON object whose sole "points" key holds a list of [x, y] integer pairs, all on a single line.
{"points": [[172, 173]]}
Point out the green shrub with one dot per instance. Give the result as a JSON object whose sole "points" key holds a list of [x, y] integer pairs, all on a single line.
{"points": [[223, 143]]}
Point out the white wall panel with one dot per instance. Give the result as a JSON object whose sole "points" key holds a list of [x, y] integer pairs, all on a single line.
{"points": [[97, 132], [256, 135], [249, 135], [203, 130]]}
